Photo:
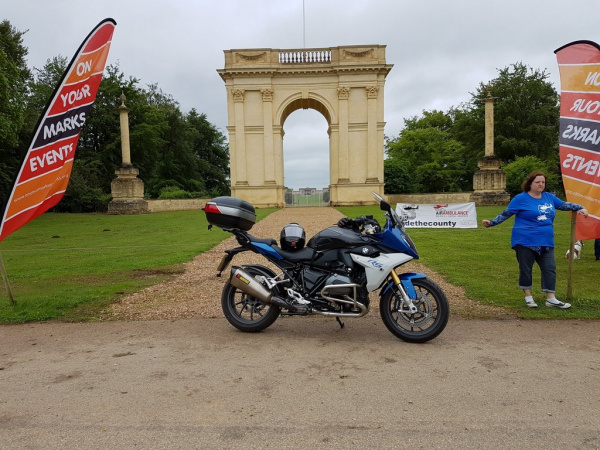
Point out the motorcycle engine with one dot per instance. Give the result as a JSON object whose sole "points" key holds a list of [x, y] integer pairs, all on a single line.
{"points": [[339, 279], [313, 278]]}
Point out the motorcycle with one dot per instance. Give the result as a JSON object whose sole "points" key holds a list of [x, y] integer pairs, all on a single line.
{"points": [[332, 275]]}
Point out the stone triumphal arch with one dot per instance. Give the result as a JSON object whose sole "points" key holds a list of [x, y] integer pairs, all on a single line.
{"points": [[344, 84]]}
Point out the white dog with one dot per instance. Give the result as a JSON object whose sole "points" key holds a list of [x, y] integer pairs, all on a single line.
{"points": [[576, 250]]}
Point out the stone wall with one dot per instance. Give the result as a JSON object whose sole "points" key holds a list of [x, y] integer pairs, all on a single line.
{"points": [[198, 203], [428, 199], [176, 204]]}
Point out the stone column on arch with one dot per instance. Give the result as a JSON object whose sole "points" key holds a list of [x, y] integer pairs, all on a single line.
{"points": [[343, 147], [241, 177], [334, 149], [278, 163], [268, 142], [372, 138]]}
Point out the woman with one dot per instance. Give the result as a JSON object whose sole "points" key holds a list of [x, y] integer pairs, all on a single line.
{"points": [[532, 235]]}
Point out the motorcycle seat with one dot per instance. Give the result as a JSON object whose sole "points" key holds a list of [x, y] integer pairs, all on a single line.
{"points": [[268, 241], [297, 256]]}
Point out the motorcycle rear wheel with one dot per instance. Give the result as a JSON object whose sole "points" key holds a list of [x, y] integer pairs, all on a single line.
{"points": [[427, 323], [245, 312]]}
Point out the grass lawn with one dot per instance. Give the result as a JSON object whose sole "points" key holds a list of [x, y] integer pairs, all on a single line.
{"points": [[70, 266], [482, 261]]}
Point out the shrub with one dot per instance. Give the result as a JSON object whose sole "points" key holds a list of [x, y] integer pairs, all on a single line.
{"points": [[518, 170]]}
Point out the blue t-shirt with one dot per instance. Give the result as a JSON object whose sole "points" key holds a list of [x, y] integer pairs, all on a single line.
{"points": [[534, 218]]}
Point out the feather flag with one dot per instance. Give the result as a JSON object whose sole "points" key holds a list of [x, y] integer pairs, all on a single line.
{"points": [[46, 169], [579, 139]]}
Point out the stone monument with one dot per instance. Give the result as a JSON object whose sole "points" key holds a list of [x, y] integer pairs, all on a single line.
{"points": [[345, 84], [127, 189], [489, 182]]}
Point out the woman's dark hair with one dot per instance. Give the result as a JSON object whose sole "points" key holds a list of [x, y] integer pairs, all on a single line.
{"points": [[526, 185]]}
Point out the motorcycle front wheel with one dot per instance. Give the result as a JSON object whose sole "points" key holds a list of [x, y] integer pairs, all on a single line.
{"points": [[245, 312], [429, 320]]}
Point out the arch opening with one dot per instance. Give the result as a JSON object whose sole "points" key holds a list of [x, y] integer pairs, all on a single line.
{"points": [[305, 103], [306, 158]]}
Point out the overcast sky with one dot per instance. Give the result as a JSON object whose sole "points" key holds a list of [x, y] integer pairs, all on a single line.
{"points": [[441, 50]]}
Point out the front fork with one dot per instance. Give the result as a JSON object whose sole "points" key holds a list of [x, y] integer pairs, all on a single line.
{"points": [[412, 309]]}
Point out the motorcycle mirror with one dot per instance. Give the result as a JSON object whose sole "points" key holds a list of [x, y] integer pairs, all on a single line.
{"points": [[383, 205]]}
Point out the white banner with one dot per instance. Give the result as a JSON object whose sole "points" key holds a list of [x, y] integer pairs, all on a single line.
{"points": [[449, 215]]}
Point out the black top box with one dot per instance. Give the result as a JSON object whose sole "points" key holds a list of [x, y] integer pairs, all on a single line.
{"points": [[230, 212]]}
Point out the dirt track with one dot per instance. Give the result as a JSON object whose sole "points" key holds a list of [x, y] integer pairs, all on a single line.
{"points": [[171, 378]]}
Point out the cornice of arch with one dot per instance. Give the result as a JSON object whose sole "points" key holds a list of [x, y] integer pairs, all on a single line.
{"points": [[228, 74], [295, 71]]}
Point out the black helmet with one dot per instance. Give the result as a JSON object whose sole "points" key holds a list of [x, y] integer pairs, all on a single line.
{"points": [[293, 237]]}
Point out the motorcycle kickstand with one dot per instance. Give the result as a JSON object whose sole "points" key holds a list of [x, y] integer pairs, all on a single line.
{"points": [[340, 322]]}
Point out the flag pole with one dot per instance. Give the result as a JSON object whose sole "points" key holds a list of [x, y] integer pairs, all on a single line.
{"points": [[571, 256], [5, 278], [303, 26]]}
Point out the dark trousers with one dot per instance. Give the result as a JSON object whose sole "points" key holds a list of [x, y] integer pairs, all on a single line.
{"points": [[526, 257], [597, 249]]}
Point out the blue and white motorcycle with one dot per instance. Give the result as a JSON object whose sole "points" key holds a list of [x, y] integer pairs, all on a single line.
{"points": [[331, 275]]}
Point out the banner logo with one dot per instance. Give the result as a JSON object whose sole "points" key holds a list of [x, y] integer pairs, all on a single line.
{"points": [[579, 137], [46, 169], [449, 215]]}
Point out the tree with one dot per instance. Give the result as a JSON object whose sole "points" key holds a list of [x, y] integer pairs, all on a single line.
{"points": [[177, 154], [441, 149], [14, 76], [518, 170], [526, 115], [429, 157], [42, 84], [398, 177], [212, 154], [174, 160]]}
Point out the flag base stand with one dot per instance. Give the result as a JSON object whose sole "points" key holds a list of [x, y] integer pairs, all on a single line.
{"points": [[571, 256]]}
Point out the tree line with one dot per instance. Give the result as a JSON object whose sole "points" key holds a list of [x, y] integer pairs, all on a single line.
{"points": [[439, 150], [179, 155], [183, 155]]}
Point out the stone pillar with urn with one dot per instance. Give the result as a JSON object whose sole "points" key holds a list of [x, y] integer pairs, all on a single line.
{"points": [[127, 189], [489, 182]]}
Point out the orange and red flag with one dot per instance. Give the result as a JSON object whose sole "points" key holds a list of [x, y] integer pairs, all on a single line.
{"points": [[46, 169], [579, 139]]}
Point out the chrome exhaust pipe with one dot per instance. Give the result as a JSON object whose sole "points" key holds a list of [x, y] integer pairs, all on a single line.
{"points": [[360, 309], [247, 283]]}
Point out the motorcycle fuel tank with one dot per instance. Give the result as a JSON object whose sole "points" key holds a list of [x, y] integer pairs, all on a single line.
{"points": [[335, 237], [230, 212]]}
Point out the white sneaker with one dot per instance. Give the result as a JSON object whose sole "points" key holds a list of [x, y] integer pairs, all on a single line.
{"points": [[531, 304], [554, 303]]}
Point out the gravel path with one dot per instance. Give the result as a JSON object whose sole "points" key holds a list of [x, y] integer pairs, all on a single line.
{"points": [[197, 291]]}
